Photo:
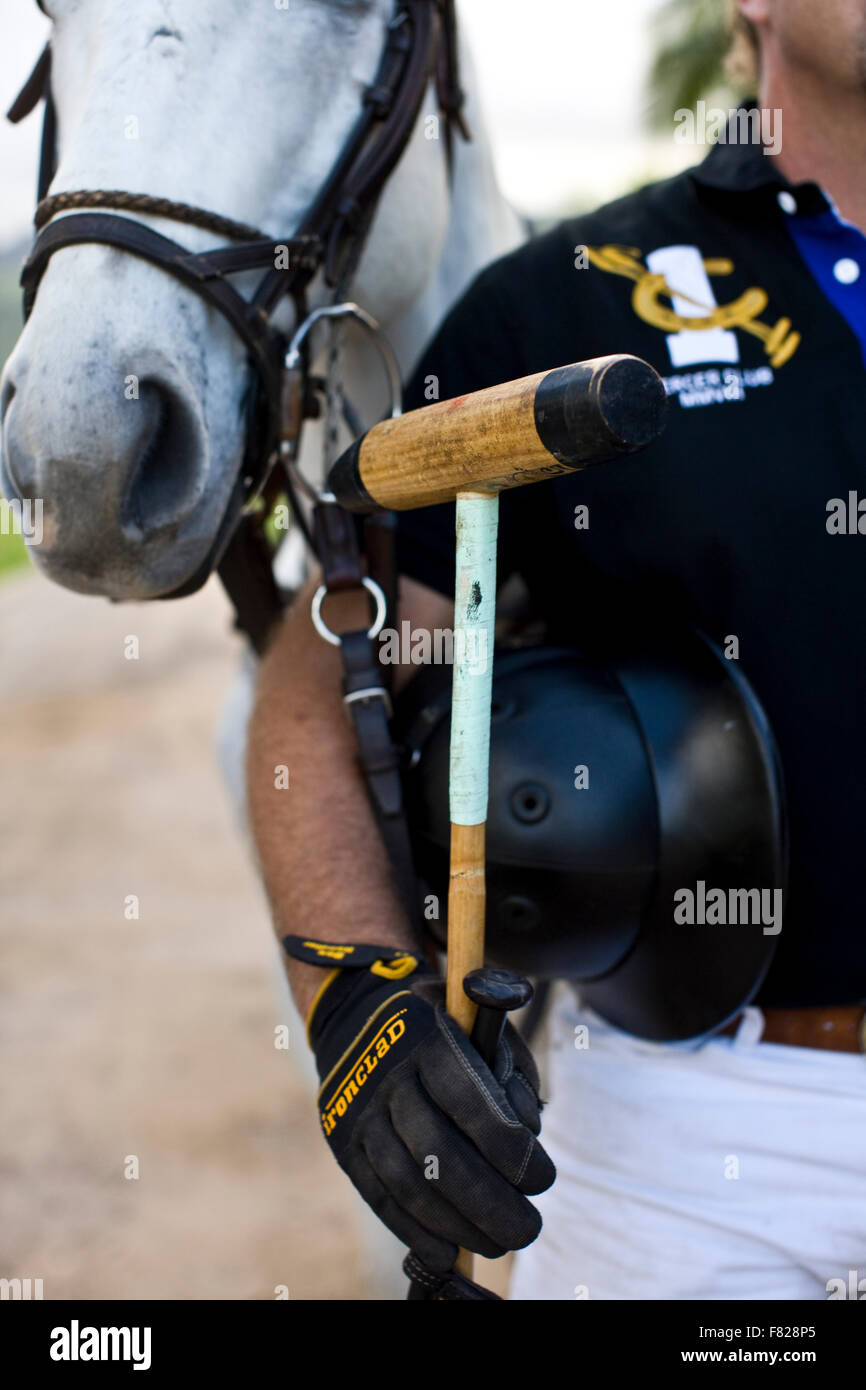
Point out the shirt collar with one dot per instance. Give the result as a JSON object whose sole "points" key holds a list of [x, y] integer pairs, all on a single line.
{"points": [[738, 168]]}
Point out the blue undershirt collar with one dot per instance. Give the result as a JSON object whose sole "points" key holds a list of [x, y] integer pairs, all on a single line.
{"points": [[835, 253]]}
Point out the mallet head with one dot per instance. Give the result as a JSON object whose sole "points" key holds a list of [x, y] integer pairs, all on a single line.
{"points": [[518, 432]]}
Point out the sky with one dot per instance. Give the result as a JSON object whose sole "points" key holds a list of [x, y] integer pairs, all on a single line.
{"points": [[562, 83]]}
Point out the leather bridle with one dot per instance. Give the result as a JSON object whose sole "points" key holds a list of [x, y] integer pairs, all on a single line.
{"points": [[421, 43]]}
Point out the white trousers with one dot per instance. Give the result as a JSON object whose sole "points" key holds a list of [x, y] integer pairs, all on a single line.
{"points": [[736, 1170]]}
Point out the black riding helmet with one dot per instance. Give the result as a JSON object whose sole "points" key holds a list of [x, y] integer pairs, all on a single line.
{"points": [[614, 783]]}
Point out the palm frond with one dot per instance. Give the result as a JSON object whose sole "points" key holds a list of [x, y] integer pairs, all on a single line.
{"points": [[691, 40]]}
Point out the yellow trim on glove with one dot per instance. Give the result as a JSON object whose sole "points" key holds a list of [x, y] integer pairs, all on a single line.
{"points": [[317, 999], [396, 969]]}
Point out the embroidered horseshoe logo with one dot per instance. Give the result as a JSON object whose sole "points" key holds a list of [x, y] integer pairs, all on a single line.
{"points": [[780, 342]]}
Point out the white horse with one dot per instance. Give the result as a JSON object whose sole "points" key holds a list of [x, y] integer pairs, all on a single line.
{"points": [[240, 109]]}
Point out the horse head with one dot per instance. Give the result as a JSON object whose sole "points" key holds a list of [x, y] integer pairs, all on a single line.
{"points": [[124, 403]]}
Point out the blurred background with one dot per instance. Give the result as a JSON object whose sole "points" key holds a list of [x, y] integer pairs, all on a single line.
{"points": [[151, 1037]]}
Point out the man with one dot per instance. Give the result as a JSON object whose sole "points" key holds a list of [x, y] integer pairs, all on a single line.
{"points": [[731, 1169]]}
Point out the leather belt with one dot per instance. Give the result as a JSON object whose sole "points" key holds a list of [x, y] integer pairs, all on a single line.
{"points": [[839, 1029]]}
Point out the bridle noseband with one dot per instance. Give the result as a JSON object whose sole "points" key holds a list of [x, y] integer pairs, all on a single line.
{"points": [[421, 44]]}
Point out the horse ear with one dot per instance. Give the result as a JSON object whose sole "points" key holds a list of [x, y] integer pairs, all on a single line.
{"points": [[34, 88]]}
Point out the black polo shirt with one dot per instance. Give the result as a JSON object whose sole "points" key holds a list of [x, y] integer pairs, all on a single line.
{"points": [[724, 520]]}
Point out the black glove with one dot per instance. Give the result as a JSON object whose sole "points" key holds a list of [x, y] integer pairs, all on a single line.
{"points": [[442, 1148]]}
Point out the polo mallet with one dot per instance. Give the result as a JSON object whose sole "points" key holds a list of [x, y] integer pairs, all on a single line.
{"points": [[470, 449]]}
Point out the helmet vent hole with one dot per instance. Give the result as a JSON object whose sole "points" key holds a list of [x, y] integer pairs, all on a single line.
{"points": [[530, 802], [518, 914]]}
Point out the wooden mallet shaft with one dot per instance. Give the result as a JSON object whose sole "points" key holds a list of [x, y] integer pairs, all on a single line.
{"points": [[469, 772], [469, 450]]}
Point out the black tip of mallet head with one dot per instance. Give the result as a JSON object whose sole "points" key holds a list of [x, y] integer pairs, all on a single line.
{"points": [[595, 410]]}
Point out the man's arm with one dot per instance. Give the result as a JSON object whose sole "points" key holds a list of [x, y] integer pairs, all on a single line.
{"points": [[322, 858], [400, 1081]]}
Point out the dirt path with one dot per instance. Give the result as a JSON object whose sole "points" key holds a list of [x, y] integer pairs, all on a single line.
{"points": [[154, 1037]]}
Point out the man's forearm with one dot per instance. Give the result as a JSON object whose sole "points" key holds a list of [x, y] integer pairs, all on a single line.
{"points": [[327, 876], [322, 858]]}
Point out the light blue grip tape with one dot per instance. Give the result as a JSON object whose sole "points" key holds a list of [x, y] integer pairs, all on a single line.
{"points": [[474, 618]]}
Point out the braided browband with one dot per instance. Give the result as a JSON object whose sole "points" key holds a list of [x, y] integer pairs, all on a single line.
{"points": [[121, 201]]}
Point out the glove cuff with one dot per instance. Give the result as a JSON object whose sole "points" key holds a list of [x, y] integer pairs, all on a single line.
{"points": [[345, 961], [366, 1020]]}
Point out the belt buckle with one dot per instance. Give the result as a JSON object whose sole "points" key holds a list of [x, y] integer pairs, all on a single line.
{"points": [[372, 692]]}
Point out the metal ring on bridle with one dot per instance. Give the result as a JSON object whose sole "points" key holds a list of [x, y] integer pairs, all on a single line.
{"points": [[353, 311], [321, 626], [293, 362]]}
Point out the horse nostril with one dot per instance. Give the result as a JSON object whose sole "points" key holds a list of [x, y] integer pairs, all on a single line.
{"points": [[6, 395], [17, 471], [167, 480]]}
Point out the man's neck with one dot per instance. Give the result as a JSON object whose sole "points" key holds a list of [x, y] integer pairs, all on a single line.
{"points": [[823, 138]]}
